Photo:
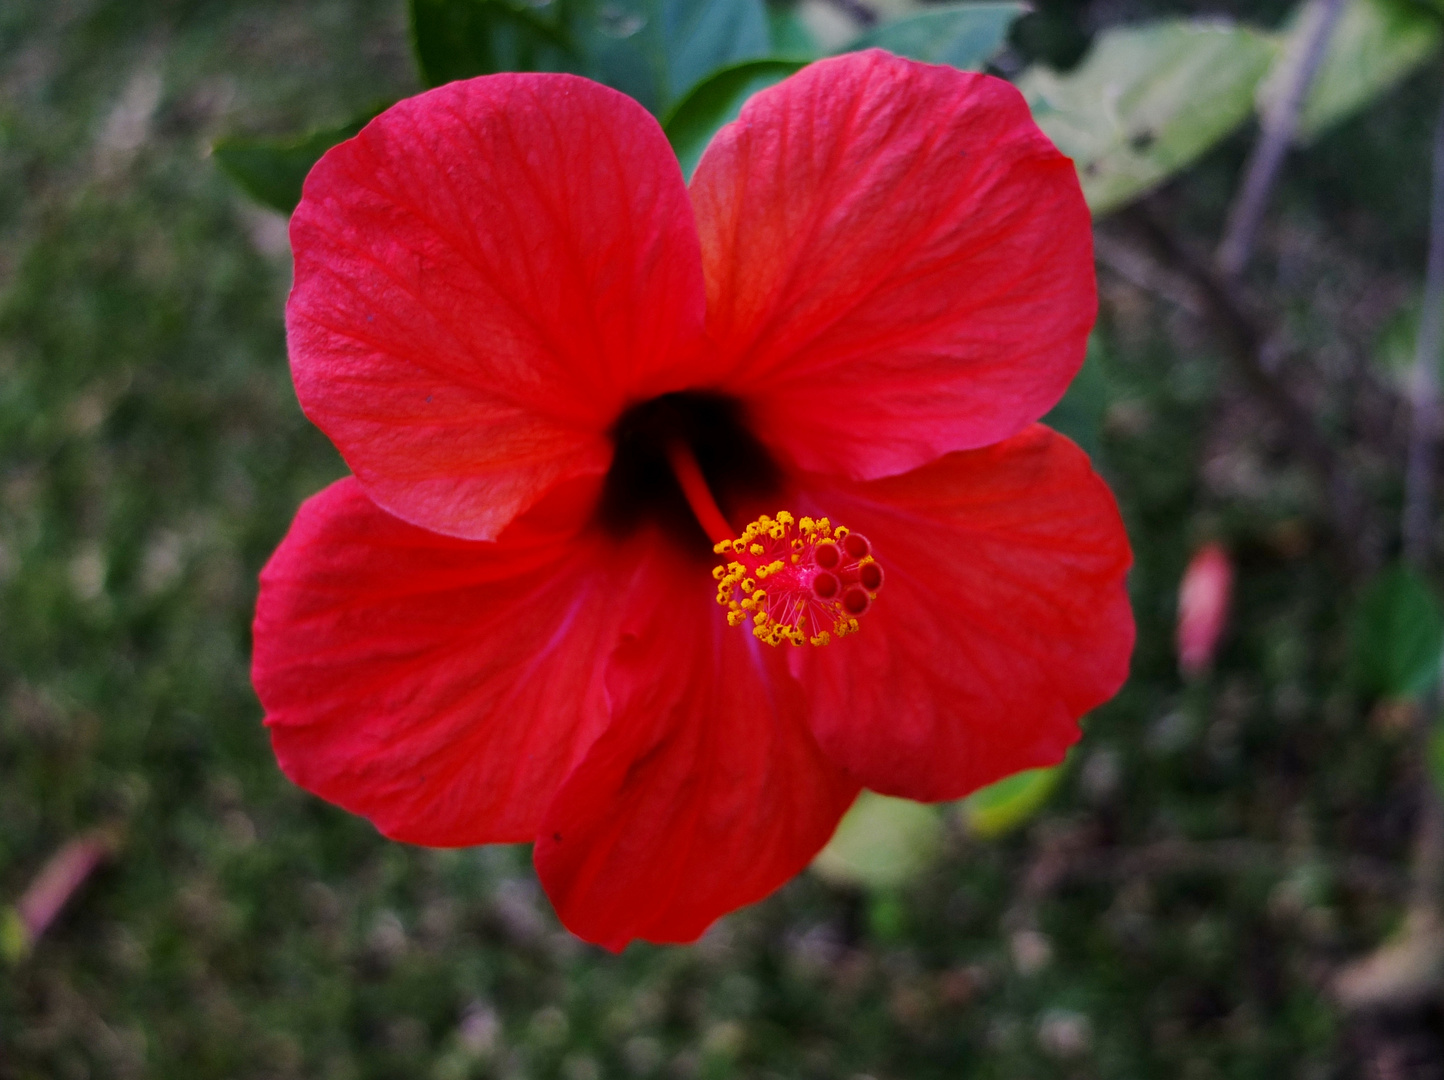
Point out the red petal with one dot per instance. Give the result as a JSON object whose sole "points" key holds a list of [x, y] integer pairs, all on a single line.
{"points": [[440, 687], [484, 277], [706, 793], [899, 263], [1002, 619]]}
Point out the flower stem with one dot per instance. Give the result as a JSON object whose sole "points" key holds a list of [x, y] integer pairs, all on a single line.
{"points": [[699, 495]]}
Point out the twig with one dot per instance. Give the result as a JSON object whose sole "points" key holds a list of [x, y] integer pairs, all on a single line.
{"points": [[1277, 127], [1137, 268], [1424, 381]]}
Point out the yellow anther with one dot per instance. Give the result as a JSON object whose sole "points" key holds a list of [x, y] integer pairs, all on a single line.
{"points": [[798, 606]]}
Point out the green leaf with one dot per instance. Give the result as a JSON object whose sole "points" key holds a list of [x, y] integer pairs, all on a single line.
{"points": [[14, 937], [1398, 635], [458, 39], [1436, 754], [717, 100], [882, 843], [657, 50], [1396, 346], [1080, 414], [1148, 101], [272, 171], [1375, 44], [790, 36], [887, 919], [1001, 807], [963, 35]]}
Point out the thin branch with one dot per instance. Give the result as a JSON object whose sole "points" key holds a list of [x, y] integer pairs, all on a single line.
{"points": [[1138, 268], [1424, 382], [1418, 531], [1277, 127]]}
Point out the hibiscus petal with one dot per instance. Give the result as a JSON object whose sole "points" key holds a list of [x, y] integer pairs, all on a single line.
{"points": [[485, 276], [1002, 619], [707, 791], [440, 687], [899, 263]]}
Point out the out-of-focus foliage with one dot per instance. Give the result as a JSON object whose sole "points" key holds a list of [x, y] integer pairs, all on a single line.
{"points": [[882, 843], [1374, 45], [964, 36], [693, 62], [1395, 349], [1001, 807], [1398, 635], [656, 50], [272, 171], [1081, 412], [717, 100], [456, 39], [14, 941], [1148, 101]]}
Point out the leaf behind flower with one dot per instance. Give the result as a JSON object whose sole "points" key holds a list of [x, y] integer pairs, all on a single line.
{"points": [[459, 39], [1398, 634], [272, 171], [716, 101], [1148, 101], [881, 843], [964, 36]]}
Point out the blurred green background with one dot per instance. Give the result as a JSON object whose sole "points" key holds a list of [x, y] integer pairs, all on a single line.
{"points": [[1175, 907]]}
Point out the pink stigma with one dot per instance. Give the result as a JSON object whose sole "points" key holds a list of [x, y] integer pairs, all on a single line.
{"points": [[797, 581]]}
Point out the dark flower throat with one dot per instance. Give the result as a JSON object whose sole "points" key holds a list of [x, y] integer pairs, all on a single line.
{"points": [[641, 488]]}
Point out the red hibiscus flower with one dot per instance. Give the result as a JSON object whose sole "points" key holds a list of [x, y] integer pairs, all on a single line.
{"points": [[565, 382]]}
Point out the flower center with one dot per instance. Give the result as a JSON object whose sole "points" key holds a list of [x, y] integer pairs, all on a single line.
{"points": [[797, 581]]}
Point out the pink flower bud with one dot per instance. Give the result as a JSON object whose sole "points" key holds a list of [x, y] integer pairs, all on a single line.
{"points": [[1203, 598], [60, 878]]}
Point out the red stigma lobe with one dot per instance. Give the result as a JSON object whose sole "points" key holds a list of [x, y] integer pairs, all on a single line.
{"points": [[801, 582]]}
